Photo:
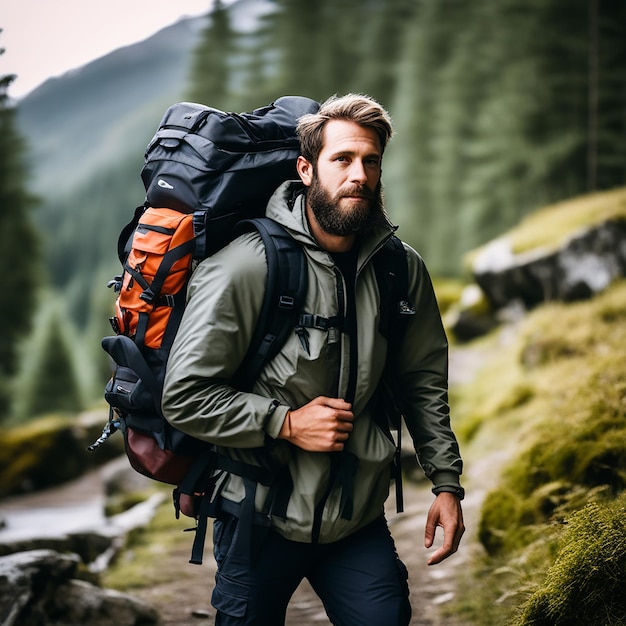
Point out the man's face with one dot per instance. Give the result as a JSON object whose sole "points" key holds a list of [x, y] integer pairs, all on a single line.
{"points": [[344, 187]]}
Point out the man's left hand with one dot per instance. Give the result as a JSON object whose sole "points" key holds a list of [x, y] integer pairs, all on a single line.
{"points": [[446, 512]]}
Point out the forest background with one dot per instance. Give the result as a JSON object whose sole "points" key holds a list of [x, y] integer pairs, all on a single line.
{"points": [[499, 107]]}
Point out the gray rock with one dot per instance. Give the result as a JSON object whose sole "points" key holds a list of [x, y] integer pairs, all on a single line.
{"points": [[41, 587], [584, 266], [86, 545], [81, 603]]}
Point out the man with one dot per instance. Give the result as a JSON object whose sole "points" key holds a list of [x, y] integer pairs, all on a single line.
{"points": [[312, 410]]}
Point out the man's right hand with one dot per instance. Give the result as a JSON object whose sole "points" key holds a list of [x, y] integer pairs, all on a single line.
{"points": [[322, 425]]}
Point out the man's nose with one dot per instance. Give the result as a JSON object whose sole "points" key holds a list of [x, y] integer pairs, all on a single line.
{"points": [[357, 172]]}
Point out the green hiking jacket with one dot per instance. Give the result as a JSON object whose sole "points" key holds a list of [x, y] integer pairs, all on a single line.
{"points": [[224, 300]]}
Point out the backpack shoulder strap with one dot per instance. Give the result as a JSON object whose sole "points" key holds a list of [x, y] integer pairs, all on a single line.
{"points": [[392, 275], [284, 296]]}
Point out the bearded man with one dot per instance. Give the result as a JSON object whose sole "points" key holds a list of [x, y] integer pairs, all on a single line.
{"points": [[312, 409]]}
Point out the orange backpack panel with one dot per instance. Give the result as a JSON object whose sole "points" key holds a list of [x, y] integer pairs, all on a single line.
{"points": [[157, 268]]}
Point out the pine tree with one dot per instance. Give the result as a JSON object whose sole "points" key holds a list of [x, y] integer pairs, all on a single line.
{"points": [[383, 38], [255, 63], [19, 246], [606, 94], [53, 384], [298, 36], [339, 54], [409, 162], [501, 94], [211, 71], [502, 108]]}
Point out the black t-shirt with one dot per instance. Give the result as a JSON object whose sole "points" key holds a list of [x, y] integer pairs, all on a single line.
{"points": [[346, 263]]}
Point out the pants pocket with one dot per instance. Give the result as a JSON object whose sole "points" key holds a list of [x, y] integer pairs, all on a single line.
{"points": [[229, 597], [224, 535]]}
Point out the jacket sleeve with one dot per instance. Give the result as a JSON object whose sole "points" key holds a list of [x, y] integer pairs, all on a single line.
{"points": [[423, 383], [224, 300]]}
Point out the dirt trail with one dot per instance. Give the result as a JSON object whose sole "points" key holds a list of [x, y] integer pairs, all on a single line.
{"points": [[185, 599], [431, 587]]}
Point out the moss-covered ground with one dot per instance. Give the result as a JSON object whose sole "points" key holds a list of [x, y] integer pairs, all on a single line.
{"points": [[550, 227], [553, 530]]}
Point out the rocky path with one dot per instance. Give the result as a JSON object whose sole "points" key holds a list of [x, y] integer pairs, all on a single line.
{"points": [[185, 599], [432, 587]]}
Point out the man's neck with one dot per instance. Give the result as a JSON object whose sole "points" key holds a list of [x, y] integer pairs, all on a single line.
{"points": [[330, 243]]}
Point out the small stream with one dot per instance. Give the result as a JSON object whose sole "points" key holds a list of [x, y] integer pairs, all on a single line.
{"points": [[74, 507], [78, 506]]}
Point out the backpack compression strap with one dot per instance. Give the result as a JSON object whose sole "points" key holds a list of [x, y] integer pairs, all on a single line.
{"points": [[284, 297], [392, 275]]}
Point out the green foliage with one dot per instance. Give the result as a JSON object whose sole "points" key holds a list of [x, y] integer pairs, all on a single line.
{"points": [[87, 239], [407, 175], [52, 382], [212, 60], [553, 404], [50, 451], [585, 585], [384, 23], [497, 114], [19, 247]]}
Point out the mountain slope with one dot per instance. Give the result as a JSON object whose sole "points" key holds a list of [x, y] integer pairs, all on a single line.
{"points": [[108, 110], [105, 109], [87, 131]]}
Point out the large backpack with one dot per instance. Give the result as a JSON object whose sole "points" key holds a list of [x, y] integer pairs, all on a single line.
{"points": [[208, 176]]}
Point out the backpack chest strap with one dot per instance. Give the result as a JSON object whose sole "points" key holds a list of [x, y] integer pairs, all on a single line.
{"points": [[309, 320]]}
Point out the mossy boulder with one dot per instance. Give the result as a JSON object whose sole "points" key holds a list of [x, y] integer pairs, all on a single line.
{"points": [[44, 587], [52, 450], [566, 252], [586, 583]]}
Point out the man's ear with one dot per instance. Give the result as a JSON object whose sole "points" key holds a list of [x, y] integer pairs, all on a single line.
{"points": [[305, 170]]}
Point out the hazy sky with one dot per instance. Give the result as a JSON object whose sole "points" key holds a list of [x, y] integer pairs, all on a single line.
{"points": [[45, 38]]}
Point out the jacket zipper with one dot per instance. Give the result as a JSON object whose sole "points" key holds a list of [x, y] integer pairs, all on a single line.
{"points": [[347, 306], [349, 324]]}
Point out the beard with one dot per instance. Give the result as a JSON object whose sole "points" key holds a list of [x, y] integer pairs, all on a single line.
{"points": [[362, 217]]}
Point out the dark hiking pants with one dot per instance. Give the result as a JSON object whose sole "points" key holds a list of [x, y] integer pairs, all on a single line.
{"points": [[360, 579]]}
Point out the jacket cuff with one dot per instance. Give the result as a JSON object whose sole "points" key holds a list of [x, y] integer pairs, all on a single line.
{"points": [[447, 482], [275, 418]]}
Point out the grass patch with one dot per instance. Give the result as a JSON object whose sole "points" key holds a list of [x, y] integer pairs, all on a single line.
{"points": [[555, 402], [140, 564], [549, 228], [552, 226], [585, 585]]}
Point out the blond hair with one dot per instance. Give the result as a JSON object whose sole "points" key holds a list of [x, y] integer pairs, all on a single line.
{"points": [[358, 108]]}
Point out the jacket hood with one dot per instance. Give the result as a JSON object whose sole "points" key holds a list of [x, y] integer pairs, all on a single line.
{"points": [[286, 206]]}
